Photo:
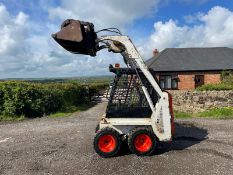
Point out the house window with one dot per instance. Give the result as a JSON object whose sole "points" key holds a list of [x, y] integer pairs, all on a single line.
{"points": [[168, 81]]}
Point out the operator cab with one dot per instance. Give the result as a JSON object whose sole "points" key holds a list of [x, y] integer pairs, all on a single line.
{"points": [[127, 99]]}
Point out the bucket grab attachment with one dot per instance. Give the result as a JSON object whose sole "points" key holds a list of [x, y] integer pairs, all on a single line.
{"points": [[77, 37]]}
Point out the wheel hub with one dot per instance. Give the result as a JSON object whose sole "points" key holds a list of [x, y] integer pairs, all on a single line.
{"points": [[143, 142], [107, 143]]}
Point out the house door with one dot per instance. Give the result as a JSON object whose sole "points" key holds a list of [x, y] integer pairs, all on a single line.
{"points": [[199, 80]]}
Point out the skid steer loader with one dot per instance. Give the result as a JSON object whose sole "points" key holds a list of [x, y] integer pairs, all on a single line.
{"points": [[138, 111]]}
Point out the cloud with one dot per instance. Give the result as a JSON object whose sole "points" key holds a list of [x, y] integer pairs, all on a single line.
{"points": [[12, 30], [215, 28], [104, 13], [12, 46], [27, 50]]}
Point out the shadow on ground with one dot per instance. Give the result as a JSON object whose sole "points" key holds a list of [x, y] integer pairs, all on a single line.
{"points": [[187, 135]]}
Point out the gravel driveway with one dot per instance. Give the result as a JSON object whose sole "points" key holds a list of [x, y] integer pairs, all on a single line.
{"points": [[64, 146]]}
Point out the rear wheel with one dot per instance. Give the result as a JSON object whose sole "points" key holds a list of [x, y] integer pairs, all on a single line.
{"points": [[142, 141], [107, 142]]}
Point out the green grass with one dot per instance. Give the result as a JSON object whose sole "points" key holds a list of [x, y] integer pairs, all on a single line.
{"points": [[66, 113], [71, 110], [60, 114], [10, 118], [179, 114], [218, 113], [215, 113]]}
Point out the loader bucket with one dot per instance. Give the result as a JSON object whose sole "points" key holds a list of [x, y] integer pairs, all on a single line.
{"points": [[77, 37]]}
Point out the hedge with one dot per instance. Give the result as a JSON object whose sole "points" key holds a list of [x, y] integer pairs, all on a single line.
{"points": [[27, 99], [216, 87]]}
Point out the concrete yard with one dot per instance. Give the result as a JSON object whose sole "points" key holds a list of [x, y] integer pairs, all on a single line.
{"points": [[64, 146]]}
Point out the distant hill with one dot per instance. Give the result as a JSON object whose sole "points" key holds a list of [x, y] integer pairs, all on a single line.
{"points": [[83, 80]]}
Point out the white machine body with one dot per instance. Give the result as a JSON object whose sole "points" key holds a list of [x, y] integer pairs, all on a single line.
{"points": [[160, 120]]}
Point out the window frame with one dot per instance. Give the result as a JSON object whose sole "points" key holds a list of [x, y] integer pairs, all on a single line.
{"points": [[173, 77]]}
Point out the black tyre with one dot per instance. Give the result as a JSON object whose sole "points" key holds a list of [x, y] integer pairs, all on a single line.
{"points": [[107, 142], [142, 141]]}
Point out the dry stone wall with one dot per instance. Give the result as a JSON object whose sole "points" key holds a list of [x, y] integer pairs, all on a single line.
{"points": [[198, 101]]}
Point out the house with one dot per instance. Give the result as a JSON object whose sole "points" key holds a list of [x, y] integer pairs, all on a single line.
{"points": [[189, 68]]}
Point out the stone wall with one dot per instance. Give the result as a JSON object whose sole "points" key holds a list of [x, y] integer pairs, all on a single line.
{"points": [[195, 101]]}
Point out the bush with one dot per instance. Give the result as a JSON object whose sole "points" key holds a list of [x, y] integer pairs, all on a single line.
{"points": [[19, 98], [217, 87], [95, 88], [227, 77], [1, 101]]}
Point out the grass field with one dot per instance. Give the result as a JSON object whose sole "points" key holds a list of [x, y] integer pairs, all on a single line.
{"points": [[69, 112], [82, 80], [11, 118], [72, 110], [216, 113]]}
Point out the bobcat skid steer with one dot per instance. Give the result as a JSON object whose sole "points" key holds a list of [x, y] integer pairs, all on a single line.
{"points": [[138, 111]]}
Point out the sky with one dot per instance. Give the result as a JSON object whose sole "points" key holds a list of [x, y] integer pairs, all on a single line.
{"points": [[28, 51]]}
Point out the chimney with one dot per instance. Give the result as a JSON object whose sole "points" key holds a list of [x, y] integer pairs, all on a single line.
{"points": [[155, 52]]}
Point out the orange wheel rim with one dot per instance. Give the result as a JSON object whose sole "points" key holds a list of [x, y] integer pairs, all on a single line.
{"points": [[107, 143], [142, 142]]}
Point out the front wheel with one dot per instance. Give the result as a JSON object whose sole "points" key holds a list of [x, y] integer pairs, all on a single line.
{"points": [[142, 141], [107, 142]]}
